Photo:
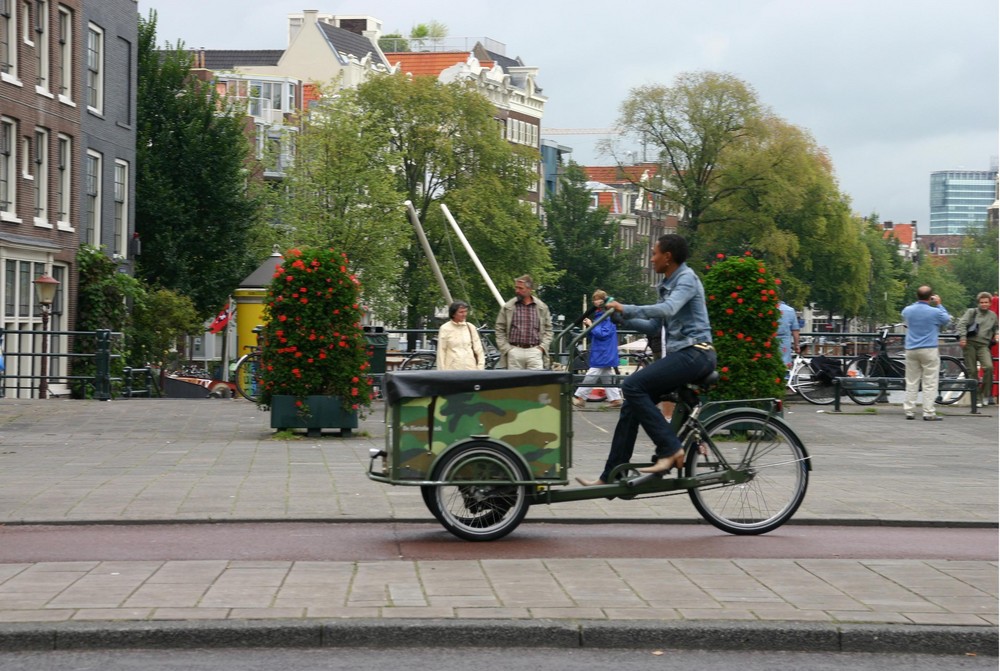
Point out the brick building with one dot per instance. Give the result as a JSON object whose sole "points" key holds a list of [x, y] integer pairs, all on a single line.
{"points": [[67, 145]]}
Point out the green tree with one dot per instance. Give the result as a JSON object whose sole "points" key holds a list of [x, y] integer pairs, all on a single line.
{"points": [[942, 280], [342, 192], [194, 211], [393, 42], [444, 143], [103, 297], [691, 127], [584, 242], [975, 266], [422, 33], [160, 318], [888, 274]]}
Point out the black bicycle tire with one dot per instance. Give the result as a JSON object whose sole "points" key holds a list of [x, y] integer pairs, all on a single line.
{"points": [[956, 395], [812, 390], [479, 512], [240, 374], [864, 366], [749, 500]]}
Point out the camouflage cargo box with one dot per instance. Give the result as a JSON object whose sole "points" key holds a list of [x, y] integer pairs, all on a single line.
{"points": [[429, 411]]}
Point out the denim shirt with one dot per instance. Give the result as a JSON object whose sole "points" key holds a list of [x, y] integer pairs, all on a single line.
{"points": [[681, 308]]}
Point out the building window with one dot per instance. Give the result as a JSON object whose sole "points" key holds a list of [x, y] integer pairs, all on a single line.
{"points": [[8, 39], [95, 69], [41, 176], [64, 173], [125, 109], [8, 169], [64, 74], [92, 199], [42, 44], [26, 23], [121, 208]]}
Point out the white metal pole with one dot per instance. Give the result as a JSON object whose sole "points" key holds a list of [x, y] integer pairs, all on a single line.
{"points": [[472, 254], [427, 251]]}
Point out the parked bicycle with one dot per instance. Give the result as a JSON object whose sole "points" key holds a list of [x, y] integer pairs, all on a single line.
{"points": [[812, 378], [427, 359], [248, 370], [879, 363]]}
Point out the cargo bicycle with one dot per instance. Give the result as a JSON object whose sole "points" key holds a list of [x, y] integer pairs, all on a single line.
{"points": [[483, 447]]}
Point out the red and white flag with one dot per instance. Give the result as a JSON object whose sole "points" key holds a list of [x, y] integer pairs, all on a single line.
{"points": [[220, 320]]}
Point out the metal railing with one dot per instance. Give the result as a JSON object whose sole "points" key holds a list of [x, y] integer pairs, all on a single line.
{"points": [[23, 367]]}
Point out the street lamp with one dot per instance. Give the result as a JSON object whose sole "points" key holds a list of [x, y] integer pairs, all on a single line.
{"points": [[45, 287]]}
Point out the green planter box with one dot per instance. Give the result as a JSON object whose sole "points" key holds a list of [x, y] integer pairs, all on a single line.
{"points": [[325, 412]]}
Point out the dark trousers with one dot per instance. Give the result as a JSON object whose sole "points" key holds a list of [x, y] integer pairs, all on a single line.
{"points": [[642, 391]]}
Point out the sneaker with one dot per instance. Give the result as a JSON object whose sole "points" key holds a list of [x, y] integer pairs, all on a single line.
{"points": [[616, 404], [910, 415], [579, 402], [933, 418]]}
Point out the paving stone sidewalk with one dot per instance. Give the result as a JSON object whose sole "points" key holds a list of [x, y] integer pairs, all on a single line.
{"points": [[183, 460]]}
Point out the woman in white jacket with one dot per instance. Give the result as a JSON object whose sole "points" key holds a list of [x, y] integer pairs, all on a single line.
{"points": [[459, 346]]}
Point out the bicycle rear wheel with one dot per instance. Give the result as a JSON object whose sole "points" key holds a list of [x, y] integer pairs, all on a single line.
{"points": [[860, 369], [770, 452], [248, 376], [952, 368], [811, 388], [419, 361]]}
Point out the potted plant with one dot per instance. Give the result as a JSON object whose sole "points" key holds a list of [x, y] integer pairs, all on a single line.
{"points": [[314, 353], [742, 300]]}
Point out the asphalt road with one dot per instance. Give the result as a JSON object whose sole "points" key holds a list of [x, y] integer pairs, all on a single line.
{"points": [[415, 541]]}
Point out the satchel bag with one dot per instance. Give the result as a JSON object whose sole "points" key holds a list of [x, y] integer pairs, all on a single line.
{"points": [[972, 329], [472, 345]]}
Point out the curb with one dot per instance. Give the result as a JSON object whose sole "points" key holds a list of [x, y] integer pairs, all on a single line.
{"points": [[779, 636], [562, 521]]}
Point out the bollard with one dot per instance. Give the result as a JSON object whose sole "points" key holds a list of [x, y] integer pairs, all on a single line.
{"points": [[102, 363]]}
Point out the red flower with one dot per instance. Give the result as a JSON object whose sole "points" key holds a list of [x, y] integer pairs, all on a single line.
{"points": [[720, 256]]}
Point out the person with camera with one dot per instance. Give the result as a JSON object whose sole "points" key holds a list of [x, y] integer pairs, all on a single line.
{"points": [[977, 329], [924, 320]]}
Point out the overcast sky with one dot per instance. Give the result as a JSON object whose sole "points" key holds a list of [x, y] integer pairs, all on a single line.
{"points": [[894, 89]]}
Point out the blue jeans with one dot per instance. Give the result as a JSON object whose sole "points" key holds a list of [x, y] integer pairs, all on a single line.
{"points": [[642, 391]]}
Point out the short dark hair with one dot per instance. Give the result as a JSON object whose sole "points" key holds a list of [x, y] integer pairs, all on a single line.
{"points": [[455, 307], [675, 244]]}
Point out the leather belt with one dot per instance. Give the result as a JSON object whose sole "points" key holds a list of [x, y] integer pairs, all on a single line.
{"points": [[523, 346]]}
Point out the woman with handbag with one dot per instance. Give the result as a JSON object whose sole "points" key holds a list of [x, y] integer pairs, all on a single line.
{"points": [[977, 330], [459, 345]]}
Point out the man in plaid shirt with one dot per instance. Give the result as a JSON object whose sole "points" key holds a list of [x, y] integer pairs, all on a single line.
{"points": [[524, 329]]}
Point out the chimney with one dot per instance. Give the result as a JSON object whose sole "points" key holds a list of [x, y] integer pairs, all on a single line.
{"points": [[887, 225]]}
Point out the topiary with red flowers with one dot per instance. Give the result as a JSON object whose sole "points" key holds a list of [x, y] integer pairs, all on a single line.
{"points": [[742, 300], [313, 342]]}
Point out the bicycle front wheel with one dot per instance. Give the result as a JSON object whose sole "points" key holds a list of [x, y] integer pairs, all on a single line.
{"points": [[770, 453], [248, 377], [421, 361], [952, 368], [811, 388]]}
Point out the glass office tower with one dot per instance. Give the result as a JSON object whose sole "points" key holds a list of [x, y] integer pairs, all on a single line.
{"points": [[959, 199]]}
